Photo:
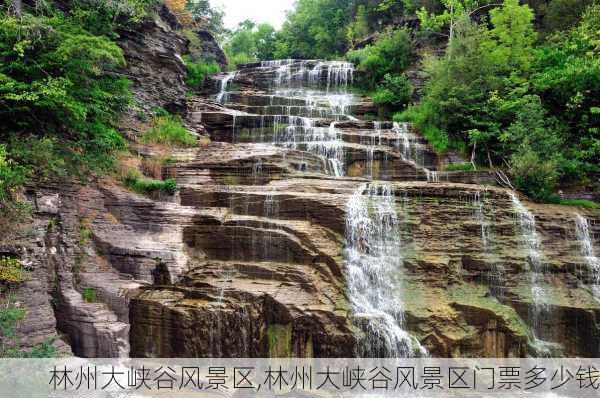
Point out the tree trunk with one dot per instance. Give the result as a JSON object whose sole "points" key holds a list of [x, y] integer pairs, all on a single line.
{"points": [[17, 8], [473, 154]]}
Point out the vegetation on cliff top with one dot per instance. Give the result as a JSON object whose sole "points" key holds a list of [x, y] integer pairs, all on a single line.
{"points": [[60, 91], [516, 88], [516, 102]]}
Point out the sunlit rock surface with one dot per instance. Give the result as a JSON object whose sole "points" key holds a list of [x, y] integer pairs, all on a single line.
{"points": [[298, 192]]}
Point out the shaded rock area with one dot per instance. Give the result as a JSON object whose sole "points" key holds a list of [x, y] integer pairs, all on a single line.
{"points": [[210, 49], [249, 258], [153, 51]]}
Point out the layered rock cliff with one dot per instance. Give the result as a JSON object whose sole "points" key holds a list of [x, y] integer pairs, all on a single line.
{"points": [[303, 230]]}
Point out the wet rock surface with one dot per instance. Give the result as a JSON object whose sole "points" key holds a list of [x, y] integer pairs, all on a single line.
{"points": [[254, 256]]}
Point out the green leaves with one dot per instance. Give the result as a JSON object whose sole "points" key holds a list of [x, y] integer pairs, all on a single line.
{"points": [[391, 54], [169, 130], [11, 175], [316, 29], [197, 72], [250, 43], [394, 91], [512, 35], [60, 93], [525, 107]]}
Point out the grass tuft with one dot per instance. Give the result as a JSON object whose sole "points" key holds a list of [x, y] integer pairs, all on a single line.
{"points": [[169, 130], [144, 186]]}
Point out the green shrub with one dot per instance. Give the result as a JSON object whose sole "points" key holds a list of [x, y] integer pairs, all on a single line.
{"points": [[459, 167], [145, 186], [11, 176], [105, 17], [394, 92], [419, 115], [10, 316], [11, 270], [42, 350], [60, 91], [169, 130], [534, 176], [239, 59], [197, 72], [89, 295], [590, 204], [391, 54]]}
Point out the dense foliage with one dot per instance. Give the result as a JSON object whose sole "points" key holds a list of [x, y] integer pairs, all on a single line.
{"points": [[169, 130], [533, 109], [60, 91], [392, 53], [315, 29], [249, 43], [329, 28], [197, 71]]}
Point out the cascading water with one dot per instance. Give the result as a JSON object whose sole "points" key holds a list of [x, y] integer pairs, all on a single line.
{"points": [[412, 153], [301, 131], [588, 252], [479, 213], [495, 275], [338, 73], [373, 144], [533, 245], [402, 139], [374, 258], [222, 96]]}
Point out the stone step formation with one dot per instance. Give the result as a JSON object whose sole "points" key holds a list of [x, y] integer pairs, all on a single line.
{"points": [[307, 228], [390, 256]]}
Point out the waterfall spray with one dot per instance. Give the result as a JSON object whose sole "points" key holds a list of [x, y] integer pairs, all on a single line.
{"points": [[374, 258]]}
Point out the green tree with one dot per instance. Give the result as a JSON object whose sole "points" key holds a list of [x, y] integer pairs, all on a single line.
{"points": [[394, 92], [359, 29], [391, 54], [564, 14], [61, 91], [512, 35], [250, 43], [566, 74], [315, 29], [265, 36], [534, 110]]}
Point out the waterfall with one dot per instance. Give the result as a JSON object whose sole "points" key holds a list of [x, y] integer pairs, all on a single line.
{"points": [[340, 103], [432, 175], [373, 144], [374, 261], [588, 252], [338, 73], [402, 139], [276, 63], [224, 85], [495, 275], [412, 153], [479, 213], [533, 245], [325, 142]]}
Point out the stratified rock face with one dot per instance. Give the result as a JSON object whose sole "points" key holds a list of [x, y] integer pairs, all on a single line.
{"points": [[210, 48], [286, 160], [302, 230], [32, 246], [153, 51]]}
